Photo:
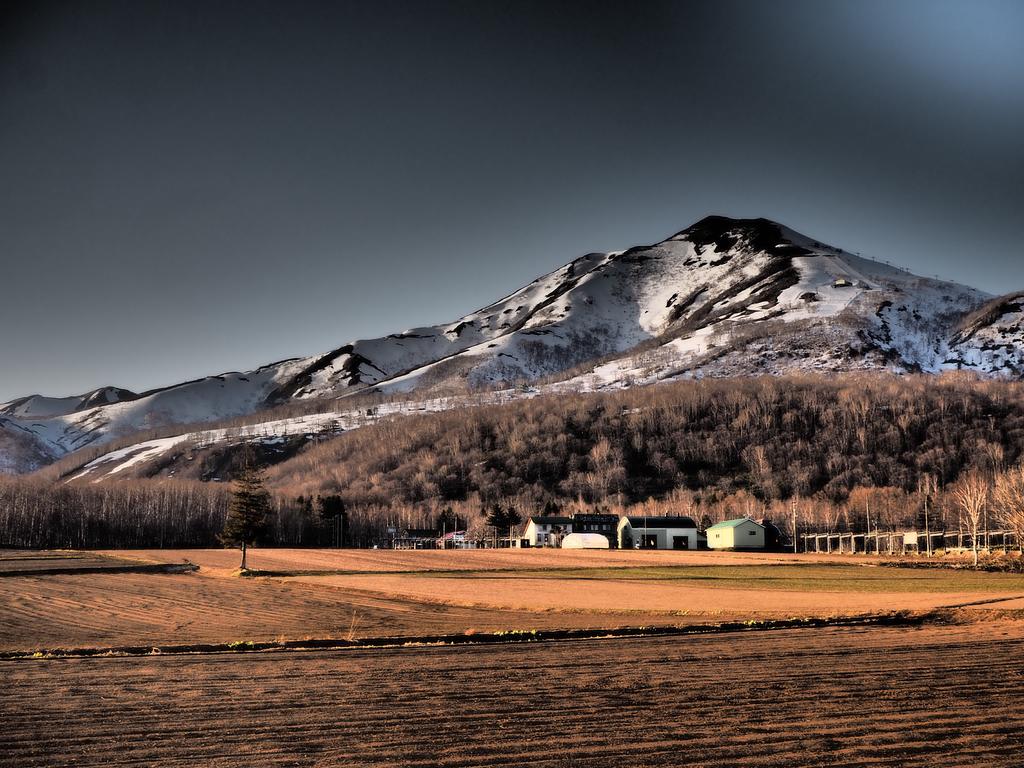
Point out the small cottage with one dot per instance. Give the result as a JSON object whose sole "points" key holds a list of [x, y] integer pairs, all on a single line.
{"points": [[910, 542], [657, 532], [546, 531], [741, 533]]}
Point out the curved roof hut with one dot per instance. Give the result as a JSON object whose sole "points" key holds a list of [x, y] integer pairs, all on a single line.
{"points": [[585, 541]]}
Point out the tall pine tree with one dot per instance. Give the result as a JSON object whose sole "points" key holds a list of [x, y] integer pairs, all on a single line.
{"points": [[247, 511], [332, 511], [504, 521]]}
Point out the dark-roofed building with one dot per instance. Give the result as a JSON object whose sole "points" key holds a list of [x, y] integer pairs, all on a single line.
{"points": [[669, 532], [597, 522]]}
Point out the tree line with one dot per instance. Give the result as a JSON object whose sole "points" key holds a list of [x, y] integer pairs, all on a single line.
{"points": [[843, 450], [144, 513], [848, 452]]}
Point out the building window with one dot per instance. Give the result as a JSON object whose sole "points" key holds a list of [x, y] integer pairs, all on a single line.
{"points": [[752, 533]]}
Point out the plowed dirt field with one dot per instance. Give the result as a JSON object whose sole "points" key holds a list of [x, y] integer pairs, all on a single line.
{"points": [[945, 692], [937, 696]]}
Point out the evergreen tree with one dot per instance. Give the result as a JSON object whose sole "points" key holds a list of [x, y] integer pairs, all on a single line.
{"points": [[332, 510], [447, 520], [504, 520], [247, 511], [496, 519], [512, 518]]}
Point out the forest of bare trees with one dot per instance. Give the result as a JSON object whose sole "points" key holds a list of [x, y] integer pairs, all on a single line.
{"points": [[148, 513], [36, 513], [864, 450], [847, 451]]}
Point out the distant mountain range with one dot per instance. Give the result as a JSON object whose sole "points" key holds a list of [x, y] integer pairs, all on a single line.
{"points": [[724, 297]]}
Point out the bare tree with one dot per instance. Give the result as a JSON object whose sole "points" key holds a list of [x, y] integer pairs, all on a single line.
{"points": [[972, 494], [927, 486], [1008, 496]]}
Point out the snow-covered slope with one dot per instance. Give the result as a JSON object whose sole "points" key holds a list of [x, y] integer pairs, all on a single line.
{"points": [[722, 297], [214, 397], [41, 407], [21, 450], [163, 456], [991, 341]]}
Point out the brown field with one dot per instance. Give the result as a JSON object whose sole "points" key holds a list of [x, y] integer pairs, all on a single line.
{"points": [[946, 696], [944, 693], [33, 561], [642, 591], [383, 593], [160, 609], [385, 560]]}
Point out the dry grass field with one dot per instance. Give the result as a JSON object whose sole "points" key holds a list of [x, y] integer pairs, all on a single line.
{"points": [[355, 594], [132, 609], [721, 592], [942, 692], [397, 561], [22, 562]]}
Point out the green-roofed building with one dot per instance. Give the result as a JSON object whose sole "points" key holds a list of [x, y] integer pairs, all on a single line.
{"points": [[741, 533]]}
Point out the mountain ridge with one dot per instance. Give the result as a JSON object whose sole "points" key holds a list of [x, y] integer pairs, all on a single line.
{"points": [[721, 297]]}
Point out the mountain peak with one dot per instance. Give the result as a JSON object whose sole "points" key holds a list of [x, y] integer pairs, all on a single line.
{"points": [[724, 233], [42, 407]]}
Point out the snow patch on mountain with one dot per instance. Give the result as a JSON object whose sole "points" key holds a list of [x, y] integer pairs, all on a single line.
{"points": [[21, 450], [215, 397], [991, 341], [42, 407], [140, 457]]}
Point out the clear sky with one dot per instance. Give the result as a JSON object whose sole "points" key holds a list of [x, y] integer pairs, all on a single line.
{"points": [[193, 187]]}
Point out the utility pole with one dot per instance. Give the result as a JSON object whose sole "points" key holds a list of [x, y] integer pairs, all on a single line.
{"points": [[928, 486], [927, 529], [867, 517], [794, 526]]}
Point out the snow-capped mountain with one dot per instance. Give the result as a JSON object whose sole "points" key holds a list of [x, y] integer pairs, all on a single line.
{"points": [[41, 407], [722, 297]]}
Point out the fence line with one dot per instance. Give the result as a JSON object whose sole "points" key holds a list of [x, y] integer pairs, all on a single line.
{"points": [[903, 542]]}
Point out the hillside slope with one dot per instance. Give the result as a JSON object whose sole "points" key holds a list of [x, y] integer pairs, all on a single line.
{"points": [[722, 297], [991, 339]]}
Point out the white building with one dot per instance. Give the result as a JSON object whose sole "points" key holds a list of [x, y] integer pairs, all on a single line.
{"points": [[585, 541], [546, 531], [658, 533], [741, 533]]}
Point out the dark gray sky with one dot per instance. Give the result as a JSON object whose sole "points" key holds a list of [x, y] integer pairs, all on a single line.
{"points": [[192, 187]]}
